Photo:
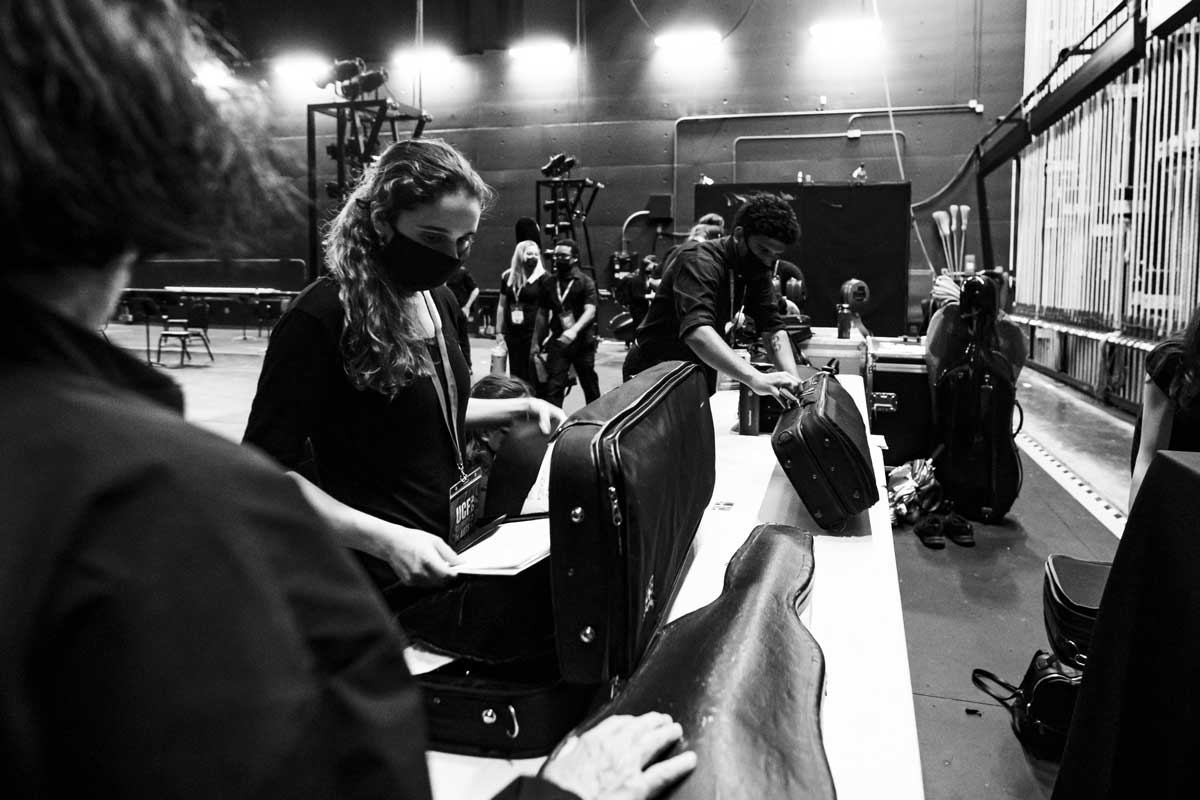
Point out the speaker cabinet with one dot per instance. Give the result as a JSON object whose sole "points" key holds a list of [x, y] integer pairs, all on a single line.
{"points": [[659, 206], [847, 231]]}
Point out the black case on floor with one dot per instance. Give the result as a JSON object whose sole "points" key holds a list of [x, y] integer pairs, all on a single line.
{"points": [[744, 678], [1071, 592], [631, 475], [822, 446]]}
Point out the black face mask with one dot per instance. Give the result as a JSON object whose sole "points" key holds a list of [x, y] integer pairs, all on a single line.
{"points": [[413, 267], [530, 264], [563, 268], [750, 264]]}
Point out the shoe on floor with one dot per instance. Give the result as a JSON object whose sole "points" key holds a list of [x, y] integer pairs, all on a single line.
{"points": [[929, 530], [958, 530]]}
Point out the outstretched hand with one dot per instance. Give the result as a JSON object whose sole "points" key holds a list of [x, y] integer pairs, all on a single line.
{"points": [[548, 415], [614, 760], [419, 558], [775, 384]]}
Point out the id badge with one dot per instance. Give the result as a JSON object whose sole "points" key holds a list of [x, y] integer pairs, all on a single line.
{"points": [[567, 320], [464, 506], [518, 317]]}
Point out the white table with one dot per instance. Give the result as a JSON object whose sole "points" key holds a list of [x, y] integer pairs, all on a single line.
{"points": [[854, 612]]}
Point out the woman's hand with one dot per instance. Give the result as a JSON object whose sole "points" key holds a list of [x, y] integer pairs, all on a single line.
{"points": [[611, 760], [547, 415], [419, 558]]}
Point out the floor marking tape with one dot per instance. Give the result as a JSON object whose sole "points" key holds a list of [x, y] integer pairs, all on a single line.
{"points": [[1104, 512]]}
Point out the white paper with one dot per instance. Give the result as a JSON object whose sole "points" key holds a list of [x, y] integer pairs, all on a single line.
{"points": [[878, 441], [512, 548], [538, 499]]}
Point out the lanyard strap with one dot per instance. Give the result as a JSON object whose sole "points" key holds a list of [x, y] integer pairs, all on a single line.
{"points": [[562, 296], [447, 395]]}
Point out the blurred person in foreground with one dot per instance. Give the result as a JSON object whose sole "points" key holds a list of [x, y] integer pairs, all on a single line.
{"points": [[177, 621]]}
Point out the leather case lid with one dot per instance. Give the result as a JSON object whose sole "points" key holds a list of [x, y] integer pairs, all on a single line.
{"points": [[744, 679], [1077, 583]]}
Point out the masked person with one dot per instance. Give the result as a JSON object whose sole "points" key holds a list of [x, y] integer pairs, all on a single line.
{"points": [[710, 287], [567, 324], [178, 622], [516, 311], [364, 371]]}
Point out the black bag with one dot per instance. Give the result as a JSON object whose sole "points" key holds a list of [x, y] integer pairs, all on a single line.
{"points": [[1041, 706], [976, 459], [622, 517], [822, 446], [630, 478], [1071, 592], [744, 678]]}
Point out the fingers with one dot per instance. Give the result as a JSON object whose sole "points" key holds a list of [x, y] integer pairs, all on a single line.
{"points": [[787, 395], [664, 774], [655, 736], [446, 552]]}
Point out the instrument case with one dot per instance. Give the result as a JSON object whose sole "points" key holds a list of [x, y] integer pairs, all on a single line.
{"points": [[822, 446], [631, 475], [1071, 592]]}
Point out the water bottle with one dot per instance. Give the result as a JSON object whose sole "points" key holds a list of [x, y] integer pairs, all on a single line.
{"points": [[748, 408], [500, 358], [845, 319]]}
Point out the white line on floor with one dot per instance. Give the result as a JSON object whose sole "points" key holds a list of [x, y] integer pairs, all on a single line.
{"points": [[1101, 509]]}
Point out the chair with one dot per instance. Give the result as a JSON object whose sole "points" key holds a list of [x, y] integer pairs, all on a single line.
{"points": [[183, 330]]}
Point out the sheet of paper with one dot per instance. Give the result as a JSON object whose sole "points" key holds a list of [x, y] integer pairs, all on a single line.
{"points": [[512, 548], [878, 441], [538, 499]]}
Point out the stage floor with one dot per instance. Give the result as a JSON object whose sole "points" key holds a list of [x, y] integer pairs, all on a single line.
{"points": [[962, 608]]}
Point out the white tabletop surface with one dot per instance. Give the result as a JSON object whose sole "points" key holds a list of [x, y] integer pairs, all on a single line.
{"points": [[854, 612]]}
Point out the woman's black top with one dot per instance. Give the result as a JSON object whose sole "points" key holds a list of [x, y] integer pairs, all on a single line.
{"points": [[1163, 364], [392, 458], [529, 299]]}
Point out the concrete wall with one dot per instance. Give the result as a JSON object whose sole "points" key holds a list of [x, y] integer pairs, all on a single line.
{"points": [[643, 123]]}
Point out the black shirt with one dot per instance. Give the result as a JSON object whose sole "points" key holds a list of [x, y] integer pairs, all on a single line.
{"points": [[392, 458], [696, 291], [529, 300], [462, 284], [1163, 364], [570, 294]]}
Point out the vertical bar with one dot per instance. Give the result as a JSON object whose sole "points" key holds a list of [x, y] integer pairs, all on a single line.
{"points": [[313, 238]]}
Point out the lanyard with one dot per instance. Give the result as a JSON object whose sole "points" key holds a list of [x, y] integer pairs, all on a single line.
{"points": [[562, 295], [447, 395]]}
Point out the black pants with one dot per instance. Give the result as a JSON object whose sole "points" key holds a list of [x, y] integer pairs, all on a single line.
{"points": [[518, 343], [559, 359]]}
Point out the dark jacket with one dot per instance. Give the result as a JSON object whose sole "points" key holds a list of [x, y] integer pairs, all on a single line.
{"points": [[176, 622]]}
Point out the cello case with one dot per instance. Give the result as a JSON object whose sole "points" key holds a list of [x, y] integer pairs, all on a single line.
{"points": [[976, 460]]}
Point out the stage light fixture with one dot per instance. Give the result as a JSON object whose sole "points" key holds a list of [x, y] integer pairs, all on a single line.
{"points": [[693, 40], [363, 83], [341, 70], [558, 165]]}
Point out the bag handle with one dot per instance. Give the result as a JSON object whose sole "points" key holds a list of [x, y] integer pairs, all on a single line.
{"points": [[1020, 424], [982, 677]]}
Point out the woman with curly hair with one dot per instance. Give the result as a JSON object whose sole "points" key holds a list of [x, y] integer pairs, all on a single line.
{"points": [[520, 297], [364, 383], [1170, 415]]}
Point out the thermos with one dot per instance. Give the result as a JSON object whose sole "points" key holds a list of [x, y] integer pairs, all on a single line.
{"points": [[748, 403], [844, 320], [500, 359]]}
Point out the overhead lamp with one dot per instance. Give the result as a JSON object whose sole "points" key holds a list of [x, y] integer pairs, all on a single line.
{"points": [[361, 84], [539, 50], [341, 70], [688, 40]]}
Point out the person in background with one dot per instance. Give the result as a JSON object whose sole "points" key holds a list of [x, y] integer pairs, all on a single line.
{"points": [[178, 622], [466, 291], [482, 445], [709, 288], [568, 313], [702, 232], [1170, 414], [363, 372], [520, 298], [714, 219]]}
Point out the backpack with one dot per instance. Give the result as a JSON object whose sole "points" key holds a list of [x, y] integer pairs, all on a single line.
{"points": [[976, 460]]}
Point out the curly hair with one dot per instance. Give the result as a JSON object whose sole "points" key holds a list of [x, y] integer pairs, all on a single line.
{"points": [[111, 143], [768, 215], [381, 348]]}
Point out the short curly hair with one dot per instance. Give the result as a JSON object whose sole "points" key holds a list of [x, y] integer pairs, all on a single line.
{"points": [[768, 215]]}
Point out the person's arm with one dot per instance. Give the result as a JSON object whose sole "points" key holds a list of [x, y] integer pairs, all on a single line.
{"points": [[488, 413], [1158, 418], [712, 350], [419, 558], [470, 301], [501, 315], [779, 345]]}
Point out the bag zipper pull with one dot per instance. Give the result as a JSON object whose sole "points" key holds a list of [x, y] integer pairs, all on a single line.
{"points": [[616, 507]]}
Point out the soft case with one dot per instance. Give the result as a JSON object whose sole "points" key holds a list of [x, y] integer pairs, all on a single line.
{"points": [[822, 446]]}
